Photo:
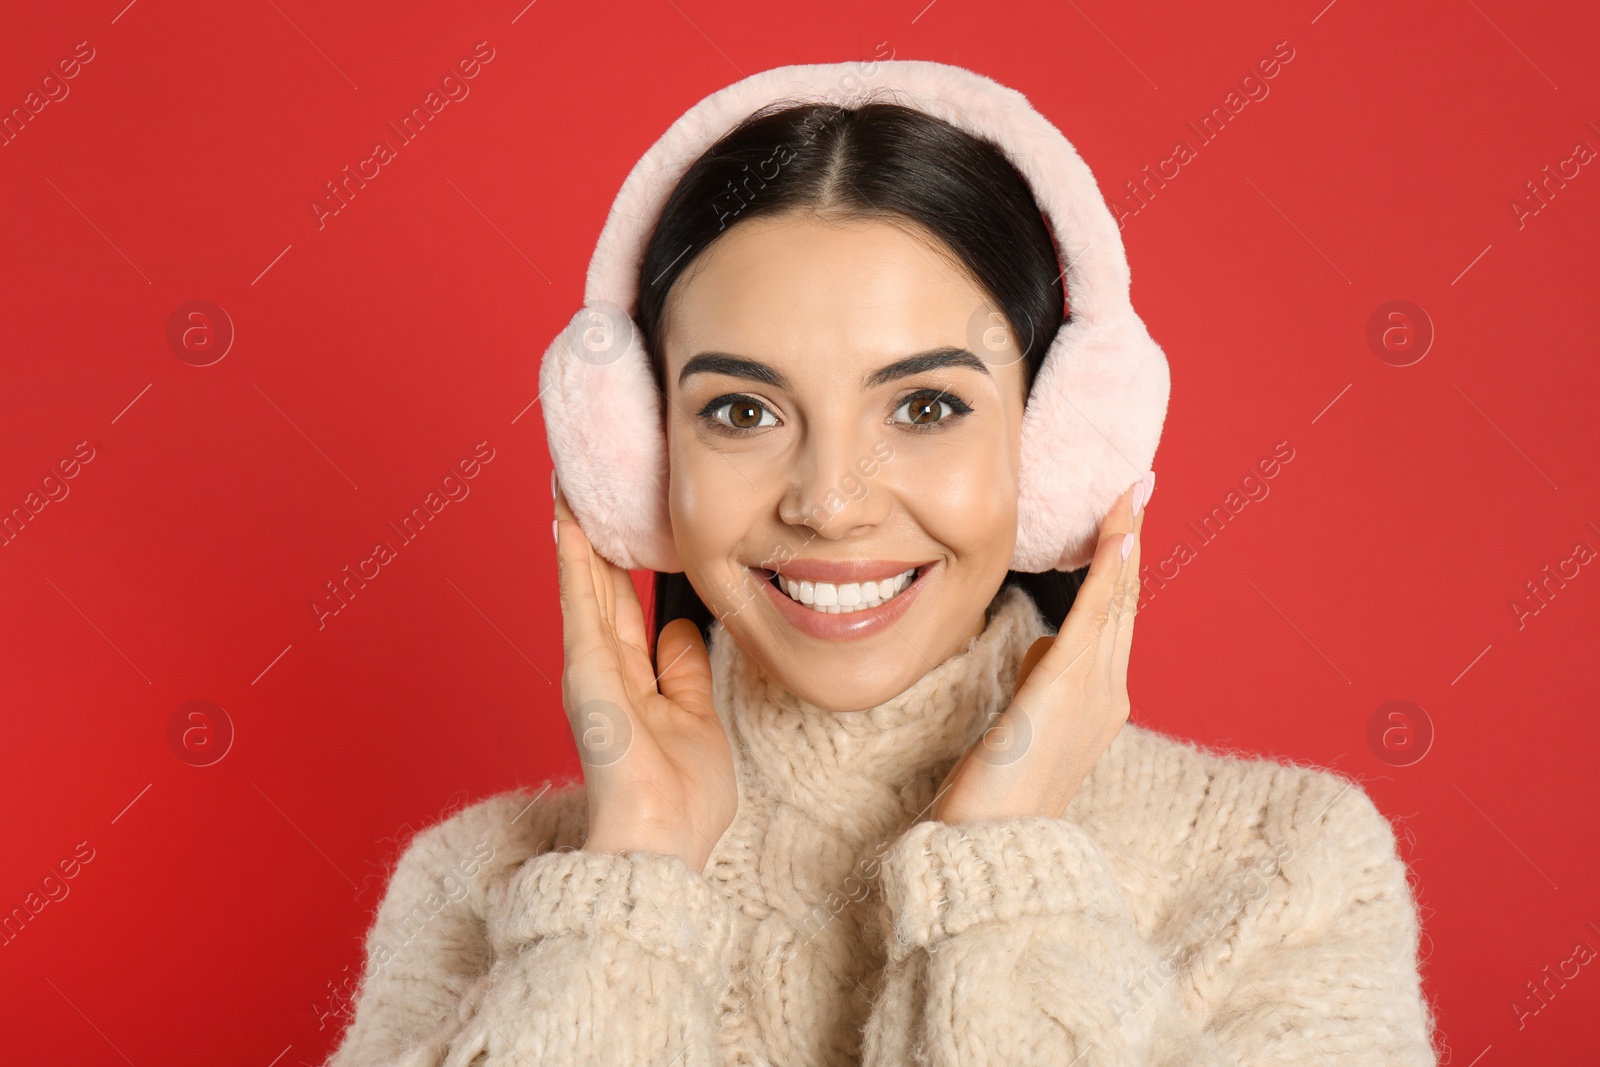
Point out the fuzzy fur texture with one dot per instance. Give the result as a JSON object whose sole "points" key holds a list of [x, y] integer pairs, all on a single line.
{"points": [[1092, 422], [1192, 909]]}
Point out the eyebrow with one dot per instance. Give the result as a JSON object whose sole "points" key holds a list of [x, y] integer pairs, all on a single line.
{"points": [[756, 371]]}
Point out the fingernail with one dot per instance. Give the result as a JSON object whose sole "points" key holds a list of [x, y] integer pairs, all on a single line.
{"points": [[552, 484], [1143, 491], [1127, 544], [555, 530]]}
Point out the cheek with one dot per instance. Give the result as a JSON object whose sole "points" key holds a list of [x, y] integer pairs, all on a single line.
{"points": [[965, 499], [709, 513], [713, 511]]}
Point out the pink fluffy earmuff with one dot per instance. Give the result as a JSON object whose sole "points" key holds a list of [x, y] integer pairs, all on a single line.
{"points": [[1097, 405]]}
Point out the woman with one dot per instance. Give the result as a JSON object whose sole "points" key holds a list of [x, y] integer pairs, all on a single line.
{"points": [[865, 803]]}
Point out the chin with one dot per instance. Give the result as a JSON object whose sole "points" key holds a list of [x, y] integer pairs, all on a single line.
{"points": [[839, 681]]}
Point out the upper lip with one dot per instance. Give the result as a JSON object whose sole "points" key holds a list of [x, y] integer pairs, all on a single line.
{"points": [[855, 570]]}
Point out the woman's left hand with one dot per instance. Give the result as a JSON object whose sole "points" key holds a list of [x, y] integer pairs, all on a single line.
{"points": [[1071, 697]]}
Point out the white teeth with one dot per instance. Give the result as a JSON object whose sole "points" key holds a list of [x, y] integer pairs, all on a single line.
{"points": [[844, 597]]}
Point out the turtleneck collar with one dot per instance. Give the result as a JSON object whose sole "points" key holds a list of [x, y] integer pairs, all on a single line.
{"points": [[862, 771]]}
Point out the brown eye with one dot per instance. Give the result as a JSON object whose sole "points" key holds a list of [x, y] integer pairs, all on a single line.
{"points": [[743, 413], [930, 408]]}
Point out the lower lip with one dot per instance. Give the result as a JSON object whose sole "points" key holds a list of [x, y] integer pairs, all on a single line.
{"points": [[844, 626]]}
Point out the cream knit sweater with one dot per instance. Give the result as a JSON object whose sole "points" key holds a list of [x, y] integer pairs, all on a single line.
{"points": [[1192, 908]]}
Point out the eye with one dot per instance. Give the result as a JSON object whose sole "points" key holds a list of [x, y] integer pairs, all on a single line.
{"points": [[743, 413], [928, 408]]}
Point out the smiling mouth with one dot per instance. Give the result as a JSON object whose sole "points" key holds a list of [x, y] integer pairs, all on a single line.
{"points": [[844, 598]]}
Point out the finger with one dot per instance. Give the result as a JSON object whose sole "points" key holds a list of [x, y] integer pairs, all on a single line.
{"points": [[1091, 607], [601, 576], [1121, 657], [630, 612], [1031, 658], [563, 511], [605, 585], [580, 607], [1130, 568], [1126, 604], [1122, 649], [615, 588], [1125, 592], [684, 667], [1096, 610], [617, 618], [935, 808]]}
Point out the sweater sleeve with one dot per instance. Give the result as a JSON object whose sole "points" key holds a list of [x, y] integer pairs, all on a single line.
{"points": [[604, 958], [425, 957], [1010, 942], [559, 957]]}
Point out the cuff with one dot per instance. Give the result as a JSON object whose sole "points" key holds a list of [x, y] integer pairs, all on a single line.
{"points": [[940, 879], [649, 898]]}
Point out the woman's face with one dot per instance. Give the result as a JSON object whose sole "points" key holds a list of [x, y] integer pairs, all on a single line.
{"points": [[841, 411]]}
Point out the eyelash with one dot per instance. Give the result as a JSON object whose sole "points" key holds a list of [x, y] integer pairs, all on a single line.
{"points": [[958, 409]]}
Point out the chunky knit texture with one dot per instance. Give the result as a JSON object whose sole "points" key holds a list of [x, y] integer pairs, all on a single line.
{"points": [[1192, 908]]}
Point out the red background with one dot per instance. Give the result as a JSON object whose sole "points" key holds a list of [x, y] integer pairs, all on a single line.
{"points": [[221, 914]]}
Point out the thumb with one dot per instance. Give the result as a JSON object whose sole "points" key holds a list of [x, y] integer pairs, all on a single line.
{"points": [[951, 775], [683, 667], [1031, 658]]}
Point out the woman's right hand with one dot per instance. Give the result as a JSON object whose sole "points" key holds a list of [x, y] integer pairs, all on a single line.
{"points": [[658, 771]]}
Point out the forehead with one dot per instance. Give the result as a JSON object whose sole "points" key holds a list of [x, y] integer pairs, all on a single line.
{"points": [[834, 295]]}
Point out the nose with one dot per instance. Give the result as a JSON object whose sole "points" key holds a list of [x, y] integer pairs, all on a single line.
{"points": [[834, 486]]}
